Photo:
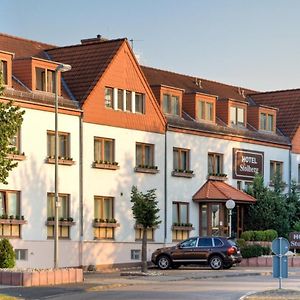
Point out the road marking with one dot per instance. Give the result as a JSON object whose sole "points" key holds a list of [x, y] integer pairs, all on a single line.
{"points": [[246, 295]]}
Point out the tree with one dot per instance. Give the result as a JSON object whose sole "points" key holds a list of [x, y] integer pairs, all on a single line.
{"points": [[145, 211], [7, 254], [11, 118]]}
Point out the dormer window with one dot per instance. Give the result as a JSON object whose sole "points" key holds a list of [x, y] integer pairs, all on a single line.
{"points": [[171, 104], [266, 121], [44, 80], [3, 70], [140, 103], [205, 110], [237, 116], [109, 97]]}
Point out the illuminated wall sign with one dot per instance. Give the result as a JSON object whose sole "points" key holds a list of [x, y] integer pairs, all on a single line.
{"points": [[247, 163]]}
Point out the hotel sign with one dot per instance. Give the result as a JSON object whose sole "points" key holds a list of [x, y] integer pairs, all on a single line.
{"points": [[294, 238], [247, 163]]}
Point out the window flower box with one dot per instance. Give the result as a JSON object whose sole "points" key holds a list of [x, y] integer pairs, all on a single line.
{"points": [[12, 220], [183, 226], [61, 222], [217, 176], [146, 169], [17, 156], [105, 223], [106, 165], [139, 226], [67, 161], [183, 173]]}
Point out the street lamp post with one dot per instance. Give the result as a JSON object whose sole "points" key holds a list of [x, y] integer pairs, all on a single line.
{"points": [[60, 68], [230, 204]]}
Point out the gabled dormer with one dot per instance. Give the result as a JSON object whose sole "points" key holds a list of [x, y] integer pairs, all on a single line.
{"points": [[263, 117], [37, 74], [6, 67], [200, 106], [232, 112], [169, 99]]}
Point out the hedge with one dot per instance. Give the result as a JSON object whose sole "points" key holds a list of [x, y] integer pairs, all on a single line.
{"points": [[254, 251], [259, 235]]}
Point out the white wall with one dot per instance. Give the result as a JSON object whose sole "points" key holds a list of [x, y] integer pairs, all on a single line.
{"points": [[295, 162]]}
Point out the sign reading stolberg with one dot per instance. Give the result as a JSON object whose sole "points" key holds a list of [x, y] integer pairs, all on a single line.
{"points": [[247, 163], [294, 238]]}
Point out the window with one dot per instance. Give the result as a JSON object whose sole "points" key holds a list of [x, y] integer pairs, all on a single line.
{"points": [[205, 110], [139, 234], [139, 103], [109, 97], [21, 254], [120, 99], [103, 210], [144, 154], [276, 167], [181, 159], [63, 144], [299, 174], [171, 104], [190, 243], [205, 242], [128, 101], [237, 116], [135, 254], [215, 163], [267, 122], [10, 208], [63, 214], [104, 149], [3, 70], [180, 216], [15, 143], [239, 185], [45, 80]]}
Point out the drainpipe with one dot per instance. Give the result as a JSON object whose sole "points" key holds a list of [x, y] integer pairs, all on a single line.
{"points": [[81, 190], [290, 170], [165, 190]]}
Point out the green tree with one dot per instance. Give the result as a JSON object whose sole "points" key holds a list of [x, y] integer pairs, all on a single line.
{"points": [[271, 210], [145, 211], [7, 254], [11, 118]]}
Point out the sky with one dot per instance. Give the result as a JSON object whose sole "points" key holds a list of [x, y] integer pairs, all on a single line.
{"points": [[253, 44]]}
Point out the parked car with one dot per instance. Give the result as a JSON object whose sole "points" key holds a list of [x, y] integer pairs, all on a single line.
{"points": [[217, 252]]}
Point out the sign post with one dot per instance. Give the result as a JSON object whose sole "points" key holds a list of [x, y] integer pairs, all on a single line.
{"points": [[230, 204], [280, 247]]}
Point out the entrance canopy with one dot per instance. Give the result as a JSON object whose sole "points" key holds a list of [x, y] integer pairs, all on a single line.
{"points": [[214, 190]]}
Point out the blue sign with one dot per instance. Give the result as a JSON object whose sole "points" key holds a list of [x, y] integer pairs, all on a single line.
{"points": [[280, 266], [280, 246]]}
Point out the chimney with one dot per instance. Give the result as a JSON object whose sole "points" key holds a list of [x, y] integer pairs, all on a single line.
{"points": [[98, 38]]}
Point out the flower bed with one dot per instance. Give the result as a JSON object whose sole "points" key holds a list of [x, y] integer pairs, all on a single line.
{"points": [[40, 277]]}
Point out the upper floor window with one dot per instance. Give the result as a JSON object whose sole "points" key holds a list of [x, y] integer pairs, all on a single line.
{"points": [[171, 104], [205, 110], [9, 203], [267, 122], [3, 70], [120, 99], [215, 163], [128, 101], [139, 103], [63, 144], [44, 80], [276, 168], [15, 142], [237, 116], [299, 174], [181, 159], [144, 154], [104, 149], [109, 97]]}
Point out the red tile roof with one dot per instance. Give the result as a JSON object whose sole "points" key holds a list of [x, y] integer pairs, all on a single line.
{"points": [[22, 47], [194, 84], [214, 190], [88, 61], [288, 102]]}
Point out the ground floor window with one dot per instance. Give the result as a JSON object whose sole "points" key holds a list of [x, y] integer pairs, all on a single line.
{"points": [[139, 234], [180, 217]]}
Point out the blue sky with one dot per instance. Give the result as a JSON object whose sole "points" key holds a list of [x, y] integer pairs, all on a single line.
{"points": [[254, 44]]}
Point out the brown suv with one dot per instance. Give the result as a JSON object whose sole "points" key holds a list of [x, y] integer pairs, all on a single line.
{"points": [[217, 252]]}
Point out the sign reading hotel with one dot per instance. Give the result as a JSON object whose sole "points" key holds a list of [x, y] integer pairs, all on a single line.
{"points": [[294, 238], [247, 163]]}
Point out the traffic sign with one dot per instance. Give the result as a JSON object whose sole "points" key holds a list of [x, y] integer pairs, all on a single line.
{"points": [[280, 246], [280, 266]]}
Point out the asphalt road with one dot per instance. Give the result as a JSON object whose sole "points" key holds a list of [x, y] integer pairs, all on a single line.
{"points": [[178, 285]]}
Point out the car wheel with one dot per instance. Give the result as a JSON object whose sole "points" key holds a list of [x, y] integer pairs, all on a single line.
{"points": [[227, 267], [164, 262], [216, 262]]}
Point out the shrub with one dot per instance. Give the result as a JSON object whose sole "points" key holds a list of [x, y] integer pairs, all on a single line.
{"points": [[254, 251], [7, 254], [259, 235], [247, 235], [271, 235], [241, 243]]}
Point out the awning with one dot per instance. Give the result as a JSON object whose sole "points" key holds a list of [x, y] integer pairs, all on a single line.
{"points": [[214, 190]]}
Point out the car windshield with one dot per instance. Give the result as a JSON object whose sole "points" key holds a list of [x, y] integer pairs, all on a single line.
{"points": [[189, 243]]}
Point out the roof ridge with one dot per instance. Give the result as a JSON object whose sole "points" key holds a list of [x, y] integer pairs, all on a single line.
{"points": [[25, 39], [176, 73], [87, 44], [221, 191], [276, 91]]}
